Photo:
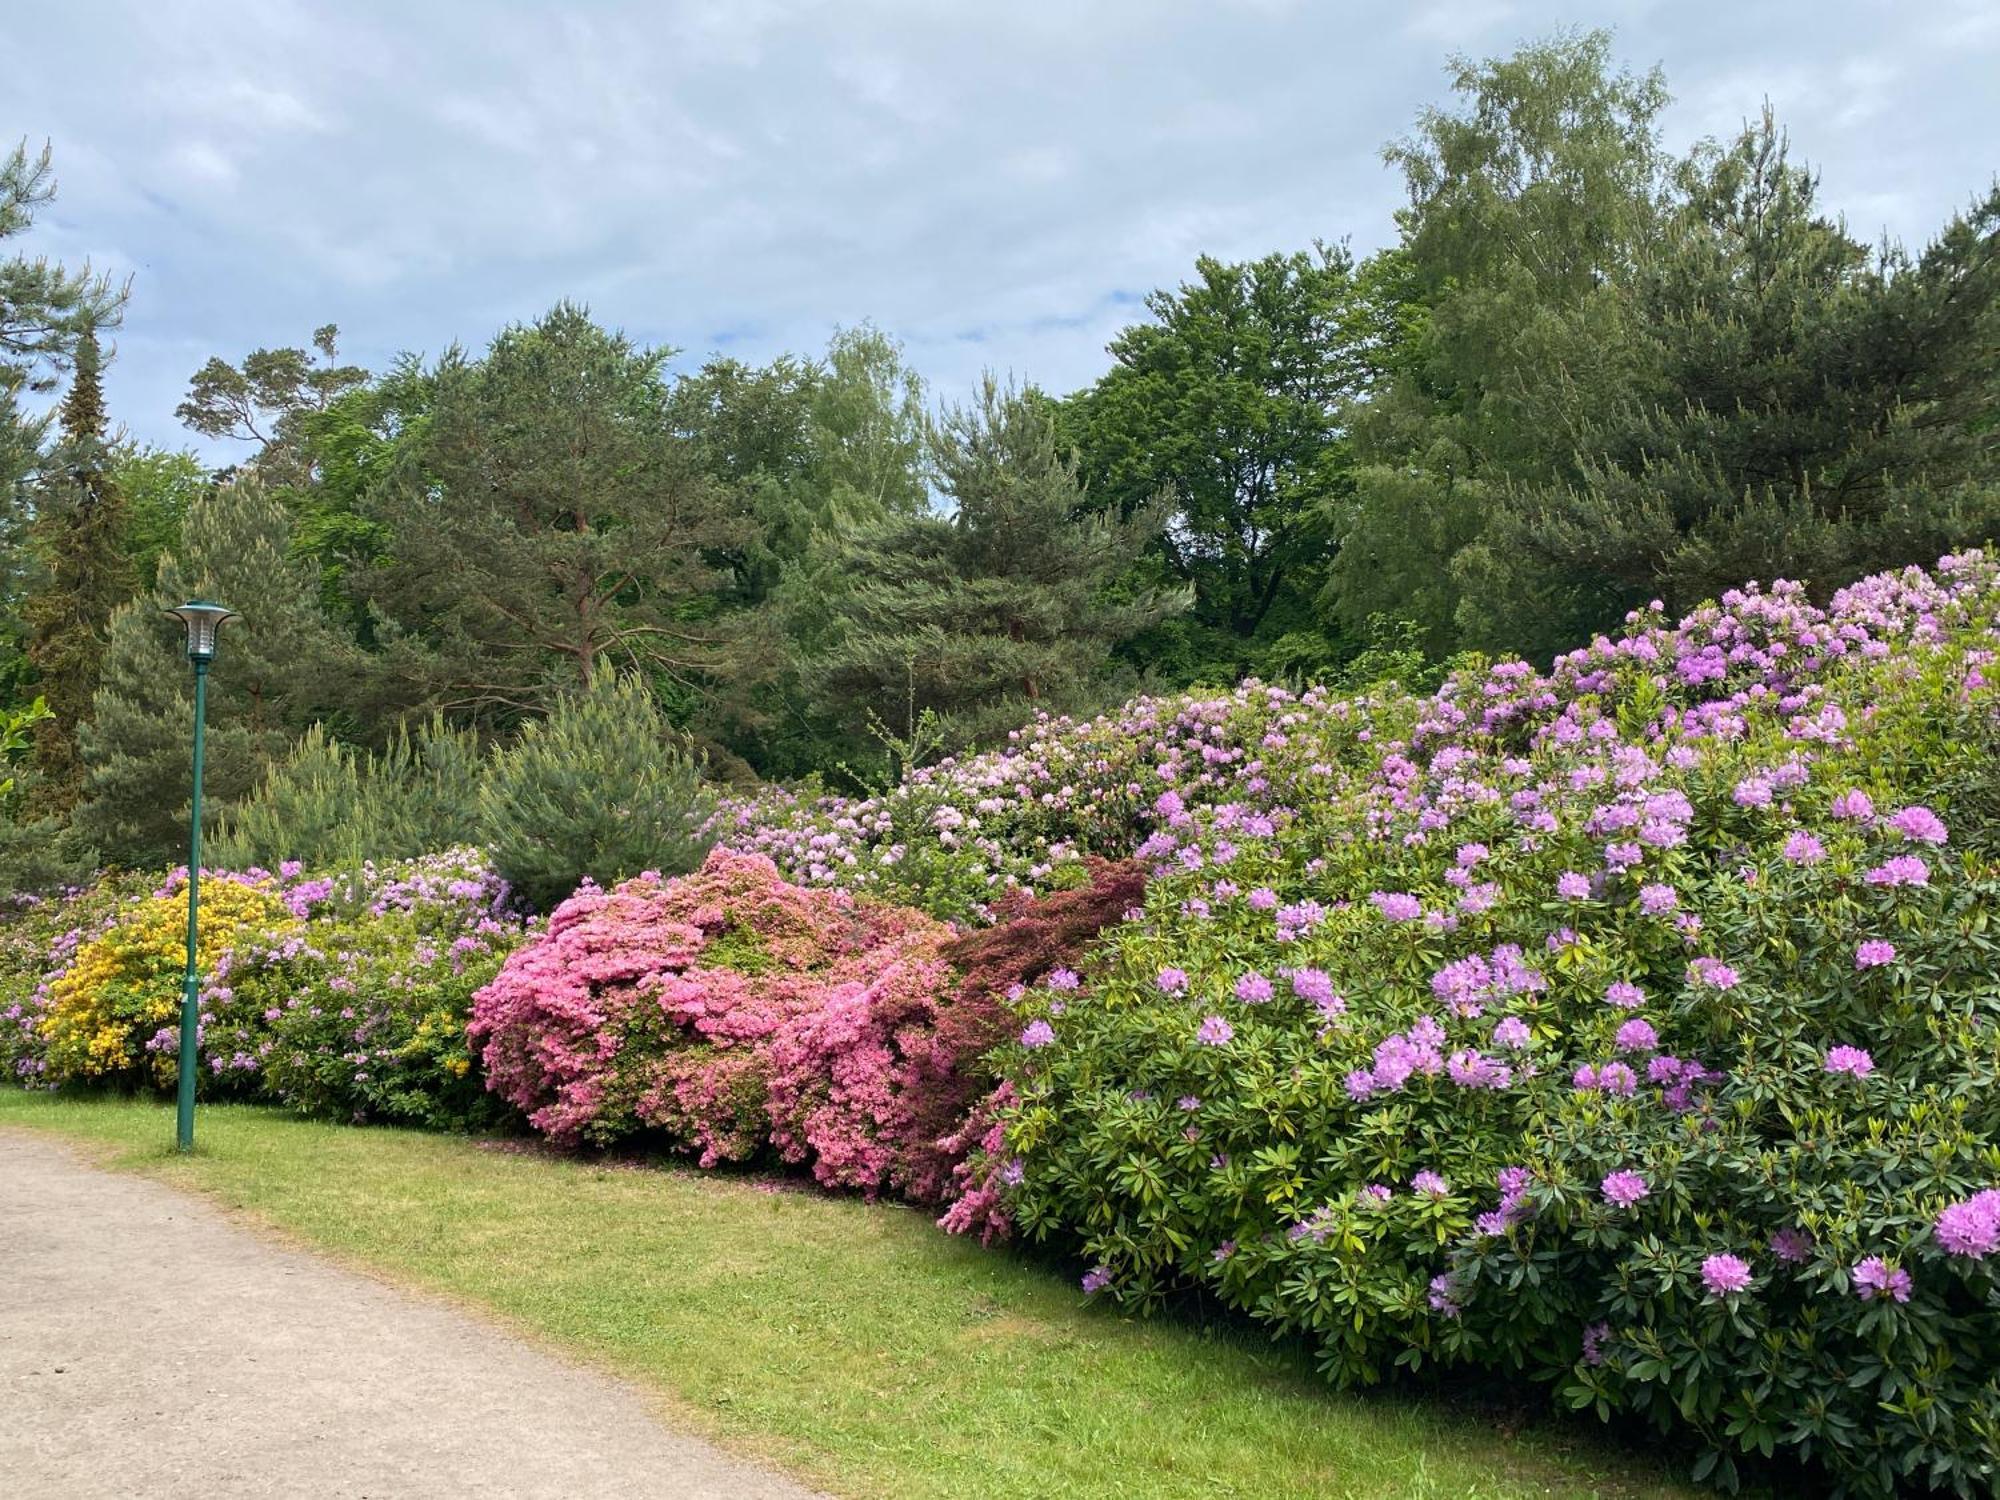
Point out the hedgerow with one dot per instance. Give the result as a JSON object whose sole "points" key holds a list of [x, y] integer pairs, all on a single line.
{"points": [[1631, 1027]]}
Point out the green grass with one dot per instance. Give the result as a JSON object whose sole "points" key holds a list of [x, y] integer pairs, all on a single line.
{"points": [[851, 1344]]}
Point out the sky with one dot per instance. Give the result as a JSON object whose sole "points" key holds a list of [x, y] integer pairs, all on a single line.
{"points": [[998, 185]]}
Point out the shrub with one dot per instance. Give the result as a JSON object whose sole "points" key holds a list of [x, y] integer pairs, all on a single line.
{"points": [[360, 1013], [648, 1006], [730, 1011], [1630, 1027], [601, 790], [329, 804], [112, 1014]]}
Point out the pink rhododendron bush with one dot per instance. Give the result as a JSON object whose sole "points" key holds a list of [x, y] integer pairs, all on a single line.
{"points": [[725, 1011], [733, 1014], [1633, 1026]]}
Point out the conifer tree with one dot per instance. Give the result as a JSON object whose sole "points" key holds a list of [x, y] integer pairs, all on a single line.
{"points": [[78, 538], [281, 667], [1009, 604]]}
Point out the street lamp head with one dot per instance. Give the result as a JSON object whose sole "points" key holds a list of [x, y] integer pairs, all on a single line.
{"points": [[201, 620]]}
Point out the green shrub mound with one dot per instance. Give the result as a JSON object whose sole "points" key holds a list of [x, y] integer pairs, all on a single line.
{"points": [[1634, 1029]]}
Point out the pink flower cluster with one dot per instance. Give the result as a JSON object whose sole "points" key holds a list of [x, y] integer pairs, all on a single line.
{"points": [[730, 1009]]}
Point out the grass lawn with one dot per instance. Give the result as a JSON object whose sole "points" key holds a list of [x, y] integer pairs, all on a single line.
{"points": [[853, 1345]]}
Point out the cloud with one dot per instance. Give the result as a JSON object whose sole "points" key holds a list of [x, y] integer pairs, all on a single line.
{"points": [[995, 185]]}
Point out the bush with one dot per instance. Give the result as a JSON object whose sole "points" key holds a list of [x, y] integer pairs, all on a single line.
{"points": [[646, 1006], [113, 1014], [602, 789], [1630, 1028], [730, 1012], [360, 1013], [328, 804]]}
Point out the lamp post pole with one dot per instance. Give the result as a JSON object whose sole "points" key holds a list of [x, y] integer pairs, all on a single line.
{"points": [[191, 980], [202, 621]]}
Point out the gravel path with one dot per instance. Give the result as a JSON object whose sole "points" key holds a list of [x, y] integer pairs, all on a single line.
{"points": [[149, 1348]]}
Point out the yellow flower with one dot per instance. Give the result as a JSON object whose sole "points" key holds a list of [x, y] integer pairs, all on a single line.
{"points": [[124, 985]]}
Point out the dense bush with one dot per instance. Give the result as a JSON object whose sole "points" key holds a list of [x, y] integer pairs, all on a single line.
{"points": [[339, 995], [1631, 1027], [729, 1012], [328, 804], [113, 1013], [601, 789], [360, 1011]]}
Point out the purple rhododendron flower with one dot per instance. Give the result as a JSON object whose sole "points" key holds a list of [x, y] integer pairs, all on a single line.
{"points": [[1875, 1277], [1171, 981], [1061, 979], [1724, 1273], [1919, 825], [1397, 906], [1096, 1279], [1253, 989], [1854, 1060], [1511, 1031], [1803, 849], [1971, 1228], [1713, 972], [1874, 953], [1854, 807], [1793, 1246], [1657, 900], [1904, 869], [1624, 1188], [1638, 1036], [1430, 1184], [1038, 1034], [1625, 995], [1572, 886], [1214, 1032]]}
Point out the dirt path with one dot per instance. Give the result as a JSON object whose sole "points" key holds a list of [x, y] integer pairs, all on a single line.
{"points": [[150, 1348]]}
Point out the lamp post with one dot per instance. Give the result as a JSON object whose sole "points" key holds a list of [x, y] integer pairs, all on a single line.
{"points": [[202, 621]]}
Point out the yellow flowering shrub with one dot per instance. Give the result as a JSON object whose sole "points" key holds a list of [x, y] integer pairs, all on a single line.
{"points": [[124, 986]]}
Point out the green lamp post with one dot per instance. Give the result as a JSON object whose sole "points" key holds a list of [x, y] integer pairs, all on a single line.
{"points": [[202, 621]]}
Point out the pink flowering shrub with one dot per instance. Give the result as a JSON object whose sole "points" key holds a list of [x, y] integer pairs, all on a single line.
{"points": [[725, 1009], [730, 1011], [1633, 1024]]}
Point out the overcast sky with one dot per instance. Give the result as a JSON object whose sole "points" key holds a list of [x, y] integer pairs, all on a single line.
{"points": [[995, 184]]}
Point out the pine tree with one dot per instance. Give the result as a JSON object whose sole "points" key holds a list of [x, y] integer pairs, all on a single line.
{"points": [[1010, 604], [281, 667], [78, 538]]}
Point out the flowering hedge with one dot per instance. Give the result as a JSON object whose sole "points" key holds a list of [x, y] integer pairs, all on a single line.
{"points": [[730, 1012], [335, 994], [1631, 1026]]}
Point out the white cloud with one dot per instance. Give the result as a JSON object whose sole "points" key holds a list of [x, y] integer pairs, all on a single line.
{"points": [[994, 184]]}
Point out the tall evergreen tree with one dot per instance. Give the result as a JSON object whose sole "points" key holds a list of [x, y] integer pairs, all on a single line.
{"points": [[1808, 408], [543, 518], [1621, 376], [281, 667], [270, 399], [1010, 603], [44, 309], [79, 538]]}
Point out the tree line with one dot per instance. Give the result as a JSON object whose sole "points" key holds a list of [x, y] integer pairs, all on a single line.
{"points": [[1585, 374]]}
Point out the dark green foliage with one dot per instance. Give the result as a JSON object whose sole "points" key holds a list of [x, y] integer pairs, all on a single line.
{"points": [[1009, 605], [280, 668], [602, 788], [331, 805], [541, 518], [1616, 377], [45, 309], [1231, 403], [79, 540]]}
